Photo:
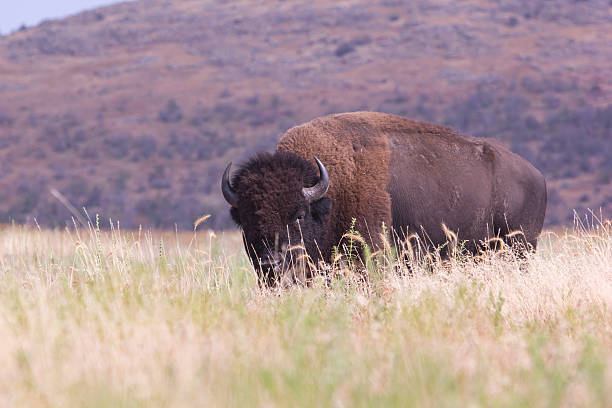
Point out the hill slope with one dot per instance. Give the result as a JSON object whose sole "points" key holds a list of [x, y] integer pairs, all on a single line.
{"points": [[133, 110]]}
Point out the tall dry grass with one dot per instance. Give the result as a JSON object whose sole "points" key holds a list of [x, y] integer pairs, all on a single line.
{"points": [[91, 318]]}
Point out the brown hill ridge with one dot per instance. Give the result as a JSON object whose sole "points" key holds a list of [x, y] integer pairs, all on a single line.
{"points": [[133, 110]]}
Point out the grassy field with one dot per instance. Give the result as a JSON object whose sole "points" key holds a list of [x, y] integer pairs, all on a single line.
{"points": [[115, 319]]}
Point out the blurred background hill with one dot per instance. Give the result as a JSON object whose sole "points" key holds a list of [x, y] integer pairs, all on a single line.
{"points": [[133, 110]]}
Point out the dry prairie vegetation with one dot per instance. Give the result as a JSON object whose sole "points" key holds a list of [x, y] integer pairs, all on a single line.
{"points": [[92, 318]]}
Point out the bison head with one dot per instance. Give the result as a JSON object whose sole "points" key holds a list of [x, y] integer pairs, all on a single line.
{"points": [[278, 200]]}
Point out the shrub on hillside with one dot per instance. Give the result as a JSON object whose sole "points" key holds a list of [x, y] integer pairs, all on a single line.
{"points": [[143, 147], [5, 119], [158, 179], [8, 140], [117, 145], [172, 113]]}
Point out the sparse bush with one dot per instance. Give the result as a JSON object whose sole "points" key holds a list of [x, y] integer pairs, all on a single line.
{"points": [[151, 210], [201, 116], [466, 115], [8, 140], [585, 166], [27, 199], [143, 148], [512, 21], [156, 211], [191, 145], [158, 178], [532, 124], [119, 180], [94, 197], [5, 119], [343, 49], [89, 151], [554, 84], [361, 40], [59, 142], [532, 85], [210, 179], [172, 113], [76, 189], [36, 152], [569, 173], [603, 118], [63, 133], [605, 176], [60, 170], [117, 145], [252, 100], [225, 112], [262, 118], [552, 102]]}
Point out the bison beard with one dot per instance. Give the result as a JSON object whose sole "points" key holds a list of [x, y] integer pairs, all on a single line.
{"points": [[378, 169], [278, 203]]}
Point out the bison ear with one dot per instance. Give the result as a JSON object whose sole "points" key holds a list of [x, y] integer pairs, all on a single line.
{"points": [[235, 216], [320, 209]]}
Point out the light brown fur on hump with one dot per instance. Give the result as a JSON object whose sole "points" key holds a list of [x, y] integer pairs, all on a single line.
{"points": [[355, 150], [434, 174]]}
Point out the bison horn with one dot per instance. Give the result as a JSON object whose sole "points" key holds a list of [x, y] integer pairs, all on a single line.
{"points": [[317, 191], [228, 193]]}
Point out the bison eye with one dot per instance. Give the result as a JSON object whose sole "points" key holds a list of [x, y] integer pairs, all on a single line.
{"points": [[299, 217]]}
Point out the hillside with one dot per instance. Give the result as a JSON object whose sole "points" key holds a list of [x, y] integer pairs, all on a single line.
{"points": [[133, 110]]}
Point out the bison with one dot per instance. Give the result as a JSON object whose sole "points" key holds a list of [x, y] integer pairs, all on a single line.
{"points": [[377, 171]]}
